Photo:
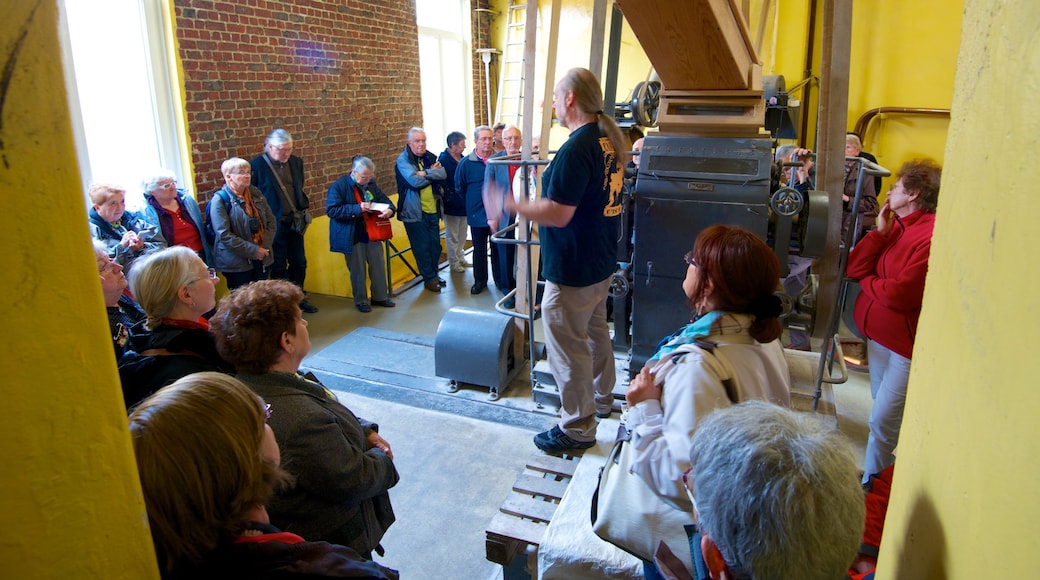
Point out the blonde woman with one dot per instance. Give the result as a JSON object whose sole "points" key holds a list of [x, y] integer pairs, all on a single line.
{"points": [[175, 289], [208, 464]]}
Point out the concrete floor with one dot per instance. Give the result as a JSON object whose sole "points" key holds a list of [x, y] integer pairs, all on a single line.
{"points": [[456, 470]]}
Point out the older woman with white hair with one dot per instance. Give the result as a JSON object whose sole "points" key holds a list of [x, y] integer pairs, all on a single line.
{"points": [[776, 495], [173, 212], [123, 312], [244, 226], [175, 289]]}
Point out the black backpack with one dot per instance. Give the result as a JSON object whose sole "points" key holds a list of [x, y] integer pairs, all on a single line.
{"points": [[211, 235]]}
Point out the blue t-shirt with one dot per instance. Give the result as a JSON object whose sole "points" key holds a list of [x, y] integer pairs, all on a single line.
{"points": [[584, 174]]}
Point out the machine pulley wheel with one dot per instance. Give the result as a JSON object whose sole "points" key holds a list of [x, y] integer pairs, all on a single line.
{"points": [[619, 286], [646, 98], [787, 201]]}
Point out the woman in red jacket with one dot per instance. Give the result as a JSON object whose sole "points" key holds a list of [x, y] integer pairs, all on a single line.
{"points": [[890, 264]]}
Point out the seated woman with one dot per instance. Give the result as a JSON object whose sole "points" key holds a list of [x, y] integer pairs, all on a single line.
{"points": [[342, 467], [729, 353], [175, 288], [208, 464], [123, 312], [174, 213], [126, 235]]}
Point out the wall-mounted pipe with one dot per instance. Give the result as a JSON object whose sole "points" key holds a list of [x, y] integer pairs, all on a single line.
{"points": [[863, 123]]}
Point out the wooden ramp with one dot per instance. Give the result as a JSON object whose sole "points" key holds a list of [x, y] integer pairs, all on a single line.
{"points": [[527, 510]]}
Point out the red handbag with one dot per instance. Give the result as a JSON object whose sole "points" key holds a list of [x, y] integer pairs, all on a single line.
{"points": [[378, 229]]}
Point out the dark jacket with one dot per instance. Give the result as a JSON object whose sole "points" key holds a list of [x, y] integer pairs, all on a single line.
{"points": [[233, 247], [409, 183], [102, 230], [264, 180], [469, 180], [155, 215], [276, 555], [192, 350], [346, 225], [341, 486], [454, 201]]}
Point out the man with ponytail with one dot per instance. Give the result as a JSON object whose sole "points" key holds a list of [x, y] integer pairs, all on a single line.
{"points": [[579, 218]]}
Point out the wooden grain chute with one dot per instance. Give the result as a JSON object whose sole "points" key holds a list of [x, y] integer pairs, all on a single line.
{"points": [[703, 53]]}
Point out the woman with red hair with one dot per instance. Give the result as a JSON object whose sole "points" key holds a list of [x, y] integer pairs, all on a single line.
{"points": [[730, 352]]}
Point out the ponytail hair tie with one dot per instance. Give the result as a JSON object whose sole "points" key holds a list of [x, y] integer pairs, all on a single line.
{"points": [[768, 306], [599, 112]]}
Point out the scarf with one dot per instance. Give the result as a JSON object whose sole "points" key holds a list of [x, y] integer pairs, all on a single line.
{"points": [[698, 328]]}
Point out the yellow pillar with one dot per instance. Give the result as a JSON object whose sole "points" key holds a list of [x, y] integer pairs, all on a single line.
{"points": [[964, 496], [69, 493]]}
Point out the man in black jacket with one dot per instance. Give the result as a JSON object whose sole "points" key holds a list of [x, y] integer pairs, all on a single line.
{"points": [[279, 175]]}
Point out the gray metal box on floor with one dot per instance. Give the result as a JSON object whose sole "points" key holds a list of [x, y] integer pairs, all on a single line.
{"points": [[476, 347]]}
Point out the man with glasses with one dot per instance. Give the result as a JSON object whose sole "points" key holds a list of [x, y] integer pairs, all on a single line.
{"points": [[279, 175]]}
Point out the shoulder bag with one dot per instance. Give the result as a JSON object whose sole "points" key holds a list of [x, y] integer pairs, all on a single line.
{"points": [[378, 229], [626, 512]]}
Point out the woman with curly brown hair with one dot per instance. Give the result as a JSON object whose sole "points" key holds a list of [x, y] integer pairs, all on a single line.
{"points": [[891, 263], [208, 464], [343, 468], [729, 353]]}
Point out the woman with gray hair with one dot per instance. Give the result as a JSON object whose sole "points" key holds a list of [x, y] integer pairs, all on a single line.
{"points": [[776, 494], [174, 288], [174, 213], [244, 226], [349, 198]]}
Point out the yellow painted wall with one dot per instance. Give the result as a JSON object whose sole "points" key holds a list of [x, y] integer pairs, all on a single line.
{"points": [[903, 54], [327, 271], [70, 501], [964, 503]]}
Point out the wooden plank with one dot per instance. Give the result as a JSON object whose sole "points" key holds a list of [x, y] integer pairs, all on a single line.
{"points": [[501, 550], [694, 44], [508, 527], [552, 464], [539, 486], [525, 506]]}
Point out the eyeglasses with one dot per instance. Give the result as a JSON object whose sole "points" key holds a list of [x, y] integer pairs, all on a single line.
{"points": [[210, 272], [690, 261], [167, 185], [267, 411], [246, 172], [689, 490]]}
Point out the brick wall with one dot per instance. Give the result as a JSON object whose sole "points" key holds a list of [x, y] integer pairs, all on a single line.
{"points": [[340, 75], [481, 32]]}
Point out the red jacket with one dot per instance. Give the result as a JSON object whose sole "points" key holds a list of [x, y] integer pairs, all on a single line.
{"points": [[891, 270]]}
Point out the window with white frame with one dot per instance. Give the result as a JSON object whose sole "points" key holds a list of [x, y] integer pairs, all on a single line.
{"points": [[124, 100], [445, 59]]}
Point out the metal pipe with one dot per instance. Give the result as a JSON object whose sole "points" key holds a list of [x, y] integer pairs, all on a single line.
{"points": [[864, 120]]}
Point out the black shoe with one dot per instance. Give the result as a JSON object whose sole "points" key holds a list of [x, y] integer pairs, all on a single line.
{"points": [[388, 303], [363, 307], [477, 288], [556, 441], [432, 286], [442, 282], [308, 307]]}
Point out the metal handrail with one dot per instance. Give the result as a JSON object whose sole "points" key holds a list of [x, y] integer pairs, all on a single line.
{"points": [[832, 346]]}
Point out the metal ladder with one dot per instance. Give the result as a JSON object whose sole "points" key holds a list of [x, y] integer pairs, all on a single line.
{"points": [[508, 109]]}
